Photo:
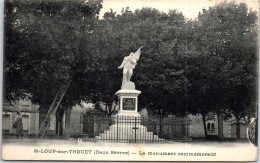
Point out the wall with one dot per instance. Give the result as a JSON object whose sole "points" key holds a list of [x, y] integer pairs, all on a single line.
{"points": [[196, 126], [26, 108], [75, 128], [226, 129]]}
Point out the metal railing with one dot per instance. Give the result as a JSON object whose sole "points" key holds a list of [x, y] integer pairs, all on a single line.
{"points": [[134, 129]]}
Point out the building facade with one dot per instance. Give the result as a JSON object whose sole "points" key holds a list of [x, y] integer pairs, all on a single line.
{"points": [[30, 117], [196, 128]]}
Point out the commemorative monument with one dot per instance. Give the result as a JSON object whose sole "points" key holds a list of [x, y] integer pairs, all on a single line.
{"points": [[128, 95], [128, 122]]}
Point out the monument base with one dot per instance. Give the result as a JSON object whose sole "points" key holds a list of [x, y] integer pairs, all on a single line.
{"points": [[128, 114], [128, 86], [129, 132], [128, 102]]}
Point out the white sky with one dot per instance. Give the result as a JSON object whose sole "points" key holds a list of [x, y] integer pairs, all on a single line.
{"points": [[190, 8]]}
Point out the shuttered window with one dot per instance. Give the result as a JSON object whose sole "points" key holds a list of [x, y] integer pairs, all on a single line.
{"points": [[26, 123], [6, 122]]}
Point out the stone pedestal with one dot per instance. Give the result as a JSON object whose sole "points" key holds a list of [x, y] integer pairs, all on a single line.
{"points": [[128, 100], [127, 126]]}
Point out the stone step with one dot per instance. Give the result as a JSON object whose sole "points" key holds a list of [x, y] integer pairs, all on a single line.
{"points": [[139, 135], [148, 135], [132, 140], [127, 130], [128, 133], [115, 126]]}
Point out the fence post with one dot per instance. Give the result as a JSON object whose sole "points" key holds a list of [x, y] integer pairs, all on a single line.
{"points": [[160, 126], [188, 129], [135, 129], [117, 128], [183, 130]]}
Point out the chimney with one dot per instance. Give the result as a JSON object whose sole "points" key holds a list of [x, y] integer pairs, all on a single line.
{"points": [[204, 10]]}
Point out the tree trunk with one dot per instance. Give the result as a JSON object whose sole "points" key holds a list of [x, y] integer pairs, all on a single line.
{"points": [[220, 125], [109, 105], [57, 125], [66, 134], [237, 127], [114, 108], [59, 117], [205, 127], [107, 109], [160, 125], [61, 127], [43, 110]]}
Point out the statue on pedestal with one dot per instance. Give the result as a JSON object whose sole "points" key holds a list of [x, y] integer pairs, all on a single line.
{"points": [[129, 64]]}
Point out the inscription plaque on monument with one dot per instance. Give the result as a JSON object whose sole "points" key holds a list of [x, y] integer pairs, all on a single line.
{"points": [[128, 103]]}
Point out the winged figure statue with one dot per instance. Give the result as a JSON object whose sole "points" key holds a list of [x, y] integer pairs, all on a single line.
{"points": [[129, 64]]}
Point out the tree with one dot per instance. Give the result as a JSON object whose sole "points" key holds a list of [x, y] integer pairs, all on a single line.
{"points": [[120, 34], [45, 46], [228, 40]]}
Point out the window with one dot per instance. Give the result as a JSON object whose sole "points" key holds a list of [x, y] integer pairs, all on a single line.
{"points": [[26, 123], [212, 127], [6, 122], [24, 104], [208, 126], [53, 122], [8, 105]]}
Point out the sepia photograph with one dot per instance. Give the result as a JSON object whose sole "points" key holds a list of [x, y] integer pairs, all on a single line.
{"points": [[130, 80]]}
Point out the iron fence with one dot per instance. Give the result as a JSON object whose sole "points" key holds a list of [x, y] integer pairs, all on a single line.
{"points": [[134, 129]]}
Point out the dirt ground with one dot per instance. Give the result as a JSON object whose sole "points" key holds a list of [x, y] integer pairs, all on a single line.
{"points": [[73, 142], [71, 149]]}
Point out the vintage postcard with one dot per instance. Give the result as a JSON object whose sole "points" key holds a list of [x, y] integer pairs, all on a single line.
{"points": [[130, 80]]}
